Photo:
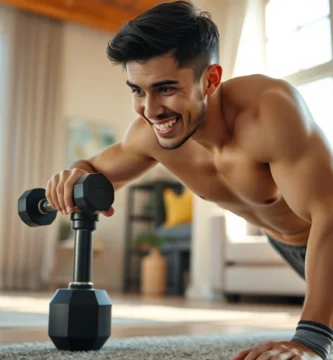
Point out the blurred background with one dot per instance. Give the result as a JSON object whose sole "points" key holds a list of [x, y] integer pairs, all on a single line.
{"points": [[62, 100]]}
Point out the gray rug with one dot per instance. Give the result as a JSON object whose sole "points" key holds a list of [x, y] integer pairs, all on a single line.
{"points": [[198, 347]]}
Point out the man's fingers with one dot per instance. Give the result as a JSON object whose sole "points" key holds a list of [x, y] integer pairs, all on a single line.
{"points": [[276, 354], [68, 193], [109, 212], [288, 355], [54, 192], [48, 194], [242, 354], [257, 351]]}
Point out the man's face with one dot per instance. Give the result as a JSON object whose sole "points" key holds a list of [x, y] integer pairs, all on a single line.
{"points": [[168, 98]]}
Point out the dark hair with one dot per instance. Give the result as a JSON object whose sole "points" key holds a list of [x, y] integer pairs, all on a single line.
{"points": [[177, 28]]}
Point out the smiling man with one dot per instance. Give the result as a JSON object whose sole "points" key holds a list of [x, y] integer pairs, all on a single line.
{"points": [[249, 145]]}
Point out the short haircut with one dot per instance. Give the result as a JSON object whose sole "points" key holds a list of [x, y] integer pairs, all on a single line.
{"points": [[175, 28]]}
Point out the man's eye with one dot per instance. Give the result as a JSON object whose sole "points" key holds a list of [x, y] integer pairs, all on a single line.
{"points": [[137, 91], [165, 89]]}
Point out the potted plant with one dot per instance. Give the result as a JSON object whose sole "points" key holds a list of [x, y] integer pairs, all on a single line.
{"points": [[153, 265], [147, 240]]}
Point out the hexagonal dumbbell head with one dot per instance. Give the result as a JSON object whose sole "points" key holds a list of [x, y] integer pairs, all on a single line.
{"points": [[80, 320], [93, 192], [28, 208]]}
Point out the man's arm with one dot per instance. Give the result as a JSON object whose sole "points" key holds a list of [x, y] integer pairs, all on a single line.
{"points": [[125, 161], [301, 164], [120, 163]]}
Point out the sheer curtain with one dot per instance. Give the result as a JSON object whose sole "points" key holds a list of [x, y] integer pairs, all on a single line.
{"points": [[6, 16], [32, 133]]}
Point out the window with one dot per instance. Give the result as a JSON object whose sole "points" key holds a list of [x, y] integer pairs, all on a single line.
{"points": [[298, 48], [318, 96], [298, 35]]}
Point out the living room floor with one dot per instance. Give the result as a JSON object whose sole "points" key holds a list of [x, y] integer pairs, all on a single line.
{"points": [[159, 316]]}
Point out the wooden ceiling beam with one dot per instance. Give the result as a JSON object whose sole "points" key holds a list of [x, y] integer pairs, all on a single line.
{"points": [[139, 6], [86, 12]]}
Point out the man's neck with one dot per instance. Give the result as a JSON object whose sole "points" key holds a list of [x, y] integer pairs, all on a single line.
{"points": [[217, 128]]}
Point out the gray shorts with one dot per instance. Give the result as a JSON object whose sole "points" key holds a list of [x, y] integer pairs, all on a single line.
{"points": [[294, 255]]}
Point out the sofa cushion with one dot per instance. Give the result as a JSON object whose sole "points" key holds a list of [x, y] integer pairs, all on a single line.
{"points": [[178, 208], [175, 232]]}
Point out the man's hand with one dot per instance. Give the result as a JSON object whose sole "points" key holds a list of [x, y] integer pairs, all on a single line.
{"points": [[284, 350]]}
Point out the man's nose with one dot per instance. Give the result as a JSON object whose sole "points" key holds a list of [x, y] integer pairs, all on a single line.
{"points": [[152, 108]]}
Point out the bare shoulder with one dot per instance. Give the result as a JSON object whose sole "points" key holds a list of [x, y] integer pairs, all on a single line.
{"points": [[244, 91], [281, 122], [282, 108]]}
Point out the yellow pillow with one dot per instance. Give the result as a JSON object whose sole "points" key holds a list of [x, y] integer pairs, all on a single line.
{"points": [[178, 208]]}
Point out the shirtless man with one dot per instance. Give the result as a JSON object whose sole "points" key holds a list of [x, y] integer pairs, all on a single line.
{"points": [[248, 144]]}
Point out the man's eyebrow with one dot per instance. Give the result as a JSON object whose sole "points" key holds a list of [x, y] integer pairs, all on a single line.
{"points": [[156, 84]]}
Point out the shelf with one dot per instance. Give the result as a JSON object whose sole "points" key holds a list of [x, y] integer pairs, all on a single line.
{"points": [[138, 252], [156, 188], [141, 218]]}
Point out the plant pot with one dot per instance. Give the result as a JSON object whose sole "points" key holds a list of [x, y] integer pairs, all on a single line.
{"points": [[153, 274], [144, 247]]}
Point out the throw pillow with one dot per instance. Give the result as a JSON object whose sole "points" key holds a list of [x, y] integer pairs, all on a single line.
{"points": [[178, 208]]}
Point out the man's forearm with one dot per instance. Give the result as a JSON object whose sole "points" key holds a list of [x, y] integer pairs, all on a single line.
{"points": [[318, 304], [84, 165]]}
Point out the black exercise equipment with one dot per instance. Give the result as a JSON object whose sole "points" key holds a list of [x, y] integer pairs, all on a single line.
{"points": [[80, 316]]}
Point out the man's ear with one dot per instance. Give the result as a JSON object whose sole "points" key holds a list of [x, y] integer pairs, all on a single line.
{"points": [[213, 78]]}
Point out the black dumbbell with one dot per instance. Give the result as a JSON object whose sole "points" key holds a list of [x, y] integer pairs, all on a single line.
{"points": [[80, 316], [92, 192]]}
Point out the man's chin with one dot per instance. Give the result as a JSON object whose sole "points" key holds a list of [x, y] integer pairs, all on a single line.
{"points": [[171, 144]]}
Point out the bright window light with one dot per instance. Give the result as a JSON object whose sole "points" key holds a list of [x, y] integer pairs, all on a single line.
{"points": [[283, 16], [235, 227], [318, 95], [300, 50]]}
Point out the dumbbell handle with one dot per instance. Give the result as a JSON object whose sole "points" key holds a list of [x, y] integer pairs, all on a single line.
{"points": [[44, 207]]}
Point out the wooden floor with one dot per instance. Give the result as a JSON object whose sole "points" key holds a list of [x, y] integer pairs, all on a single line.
{"points": [[227, 317]]}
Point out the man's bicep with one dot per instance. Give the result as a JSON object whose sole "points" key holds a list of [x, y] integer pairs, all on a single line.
{"points": [[299, 157], [129, 159], [121, 164], [306, 183]]}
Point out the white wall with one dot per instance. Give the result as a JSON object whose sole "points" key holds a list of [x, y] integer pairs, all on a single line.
{"points": [[95, 89]]}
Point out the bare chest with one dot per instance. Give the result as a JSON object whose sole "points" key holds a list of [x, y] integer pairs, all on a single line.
{"points": [[231, 179], [243, 186]]}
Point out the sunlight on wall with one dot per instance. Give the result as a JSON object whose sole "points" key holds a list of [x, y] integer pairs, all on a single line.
{"points": [[250, 56], [235, 227], [250, 60]]}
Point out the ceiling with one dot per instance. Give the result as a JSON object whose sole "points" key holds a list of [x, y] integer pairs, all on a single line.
{"points": [[107, 15]]}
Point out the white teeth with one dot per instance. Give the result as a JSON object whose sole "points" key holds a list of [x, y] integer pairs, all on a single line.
{"points": [[166, 125]]}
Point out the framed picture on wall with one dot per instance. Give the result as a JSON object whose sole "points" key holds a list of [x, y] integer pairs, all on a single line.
{"points": [[87, 138]]}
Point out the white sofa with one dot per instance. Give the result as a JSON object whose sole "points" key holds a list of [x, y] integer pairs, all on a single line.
{"points": [[247, 264]]}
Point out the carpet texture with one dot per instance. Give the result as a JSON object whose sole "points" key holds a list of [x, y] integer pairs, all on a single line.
{"points": [[198, 347]]}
